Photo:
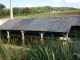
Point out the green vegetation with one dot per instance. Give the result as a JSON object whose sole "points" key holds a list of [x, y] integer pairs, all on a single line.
{"points": [[45, 11], [44, 15], [47, 50]]}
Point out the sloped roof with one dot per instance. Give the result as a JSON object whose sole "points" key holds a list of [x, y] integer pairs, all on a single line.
{"points": [[55, 24]]}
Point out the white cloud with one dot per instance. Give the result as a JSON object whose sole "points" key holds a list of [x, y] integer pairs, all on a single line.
{"points": [[31, 5], [57, 1], [72, 1], [67, 1], [45, 3]]}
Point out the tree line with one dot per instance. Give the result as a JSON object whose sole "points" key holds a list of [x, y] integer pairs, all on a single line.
{"points": [[20, 11]]}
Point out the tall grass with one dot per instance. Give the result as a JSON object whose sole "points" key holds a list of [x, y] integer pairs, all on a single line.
{"points": [[56, 50], [12, 52], [50, 50]]}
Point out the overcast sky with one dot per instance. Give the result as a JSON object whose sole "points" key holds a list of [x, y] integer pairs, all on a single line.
{"points": [[35, 3]]}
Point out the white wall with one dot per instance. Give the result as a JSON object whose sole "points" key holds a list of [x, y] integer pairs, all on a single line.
{"points": [[3, 21]]}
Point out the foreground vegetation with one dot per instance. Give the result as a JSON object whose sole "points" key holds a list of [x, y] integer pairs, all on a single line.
{"points": [[46, 50]]}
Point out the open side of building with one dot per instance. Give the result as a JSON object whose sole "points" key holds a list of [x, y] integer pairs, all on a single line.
{"points": [[41, 28]]}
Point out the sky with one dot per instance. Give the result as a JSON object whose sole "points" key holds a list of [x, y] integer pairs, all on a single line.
{"points": [[36, 3]]}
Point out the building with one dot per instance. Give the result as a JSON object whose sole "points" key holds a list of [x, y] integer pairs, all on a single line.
{"points": [[55, 11], [41, 27]]}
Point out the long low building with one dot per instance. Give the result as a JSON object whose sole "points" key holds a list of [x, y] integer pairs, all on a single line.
{"points": [[57, 26]]}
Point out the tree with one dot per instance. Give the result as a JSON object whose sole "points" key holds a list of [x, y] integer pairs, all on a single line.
{"points": [[26, 11], [2, 6], [2, 10], [16, 11]]}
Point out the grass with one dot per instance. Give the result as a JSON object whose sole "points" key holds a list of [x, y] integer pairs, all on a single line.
{"points": [[11, 52], [44, 15], [51, 50], [1, 57], [56, 50]]}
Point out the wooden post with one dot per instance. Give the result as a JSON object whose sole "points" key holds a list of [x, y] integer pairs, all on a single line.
{"points": [[67, 36], [0, 35], [8, 36], [42, 36], [23, 38]]}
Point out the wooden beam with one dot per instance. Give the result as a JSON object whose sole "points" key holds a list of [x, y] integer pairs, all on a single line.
{"points": [[8, 36], [67, 35], [42, 36], [23, 38]]}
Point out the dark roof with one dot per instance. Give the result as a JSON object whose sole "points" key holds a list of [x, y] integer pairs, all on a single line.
{"points": [[55, 24]]}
